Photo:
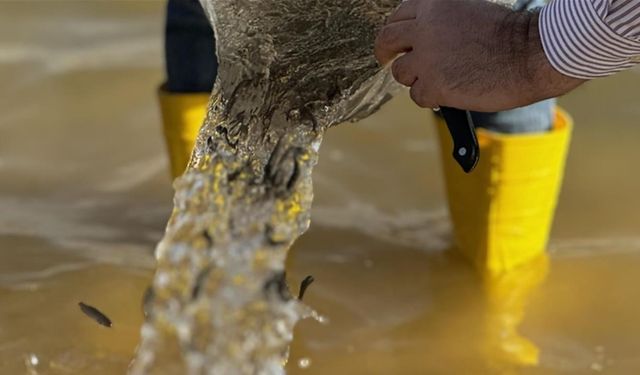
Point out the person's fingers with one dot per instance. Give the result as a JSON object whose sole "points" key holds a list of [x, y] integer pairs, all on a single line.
{"points": [[402, 71], [421, 96], [393, 40], [407, 10]]}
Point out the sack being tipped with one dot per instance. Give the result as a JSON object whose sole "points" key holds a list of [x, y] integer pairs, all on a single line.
{"points": [[289, 69]]}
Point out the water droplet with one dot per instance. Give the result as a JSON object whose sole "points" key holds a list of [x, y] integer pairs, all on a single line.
{"points": [[320, 318], [33, 359], [304, 363]]}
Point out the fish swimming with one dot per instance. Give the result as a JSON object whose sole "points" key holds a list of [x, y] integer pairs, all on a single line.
{"points": [[304, 285], [95, 314]]}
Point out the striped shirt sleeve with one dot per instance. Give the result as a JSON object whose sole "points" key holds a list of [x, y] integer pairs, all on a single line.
{"points": [[591, 38]]}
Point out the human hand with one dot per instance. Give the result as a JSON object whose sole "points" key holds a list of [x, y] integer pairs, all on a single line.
{"points": [[469, 54]]}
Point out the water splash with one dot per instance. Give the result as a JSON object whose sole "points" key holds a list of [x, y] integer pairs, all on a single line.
{"points": [[219, 303]]}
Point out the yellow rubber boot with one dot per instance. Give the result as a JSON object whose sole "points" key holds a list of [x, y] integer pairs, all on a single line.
{"points": [[182, 116], [502, 212]]}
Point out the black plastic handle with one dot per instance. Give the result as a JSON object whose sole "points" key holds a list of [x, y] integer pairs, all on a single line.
{"points": [[466, 150]]}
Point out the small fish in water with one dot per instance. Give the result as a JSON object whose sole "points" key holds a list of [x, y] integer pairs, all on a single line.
{"points": [[304, 285], [200, 280], [270, 235], [207, 237], [95, 314], [278, 283]]}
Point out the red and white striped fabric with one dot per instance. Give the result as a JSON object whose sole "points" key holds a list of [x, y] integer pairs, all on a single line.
{"points": [[591, 38]]}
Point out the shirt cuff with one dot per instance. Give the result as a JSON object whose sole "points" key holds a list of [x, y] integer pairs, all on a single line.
{"points": [[579, 44]]}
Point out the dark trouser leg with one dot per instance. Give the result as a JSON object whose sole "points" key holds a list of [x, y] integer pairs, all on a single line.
{"points": [[189, 48]]}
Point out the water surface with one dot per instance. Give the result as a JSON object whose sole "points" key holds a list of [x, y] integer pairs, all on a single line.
{"points": [[79, 221]]}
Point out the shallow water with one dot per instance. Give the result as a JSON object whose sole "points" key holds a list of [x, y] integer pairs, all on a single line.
{"points": [[79, 221]]}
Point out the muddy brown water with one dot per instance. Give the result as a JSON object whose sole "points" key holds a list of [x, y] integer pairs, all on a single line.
{"points": [[85, 194]]}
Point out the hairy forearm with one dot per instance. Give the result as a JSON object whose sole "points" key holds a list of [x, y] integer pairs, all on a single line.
{"points": [[509, 59], [500, 54], [546, 82]]}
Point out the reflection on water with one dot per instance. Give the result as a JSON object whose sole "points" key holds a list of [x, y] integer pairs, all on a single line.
{"points": [[79, 223], [507, 296]]}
